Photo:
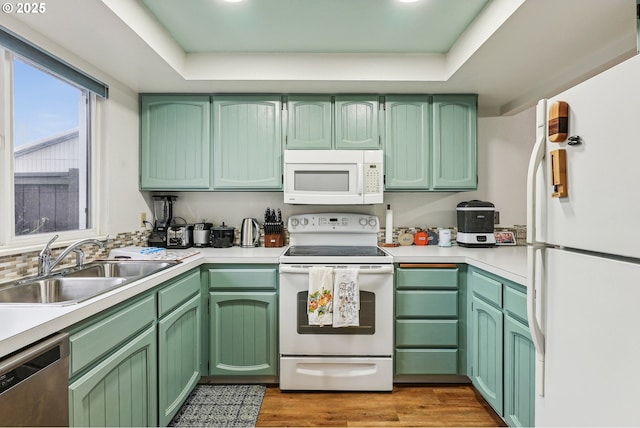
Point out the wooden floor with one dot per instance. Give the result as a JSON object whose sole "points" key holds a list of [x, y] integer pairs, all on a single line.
{"points": [[410, 405]]}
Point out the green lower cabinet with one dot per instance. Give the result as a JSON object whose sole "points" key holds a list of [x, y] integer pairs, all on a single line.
{"points": [[179, 337], [426, 322], [519, 374], [242, 329], [120, 390], [486, 348], [502, 360]]}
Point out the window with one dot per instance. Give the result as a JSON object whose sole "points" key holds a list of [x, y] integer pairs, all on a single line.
{"points": [[47, 173], [51, 152]]}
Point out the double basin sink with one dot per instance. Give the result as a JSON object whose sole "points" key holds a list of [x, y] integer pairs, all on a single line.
{"points": [[77, 284]]}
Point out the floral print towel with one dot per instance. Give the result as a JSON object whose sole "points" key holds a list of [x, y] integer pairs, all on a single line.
{"points": [[320, 301], [346, 301]]}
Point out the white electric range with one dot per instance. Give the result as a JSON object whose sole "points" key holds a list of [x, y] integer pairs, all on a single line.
{"points": [[325, 357]]}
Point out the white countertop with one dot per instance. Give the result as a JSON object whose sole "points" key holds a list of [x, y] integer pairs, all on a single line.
{"points": [[23, 325], [507, 262]]}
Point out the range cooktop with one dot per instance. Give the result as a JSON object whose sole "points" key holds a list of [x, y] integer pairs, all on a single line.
{"points": [[334, 251]]}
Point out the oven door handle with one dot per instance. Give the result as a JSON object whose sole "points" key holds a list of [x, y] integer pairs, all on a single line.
{"points": [[363, 270]]}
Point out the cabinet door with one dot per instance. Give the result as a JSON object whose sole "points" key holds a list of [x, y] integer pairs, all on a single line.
{"points": [[454, 142], [356, 122], [121, 390], [519, 374], [179, 336], [406, 143], [247, 143], [175, 141], [243, 339], [309, 122], [486, 376]]}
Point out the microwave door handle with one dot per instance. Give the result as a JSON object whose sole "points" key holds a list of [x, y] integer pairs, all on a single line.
{"points": [[360, 178]]}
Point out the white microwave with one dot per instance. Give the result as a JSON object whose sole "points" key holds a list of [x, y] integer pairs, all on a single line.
{"points": [[333, 177]]}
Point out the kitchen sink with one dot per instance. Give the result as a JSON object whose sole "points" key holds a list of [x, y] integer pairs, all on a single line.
{"points": [[119, 269], [74, 285], [58, 290]]}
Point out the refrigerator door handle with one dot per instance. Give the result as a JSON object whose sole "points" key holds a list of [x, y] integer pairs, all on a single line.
{"points": [[535, 161], [537, 336]]}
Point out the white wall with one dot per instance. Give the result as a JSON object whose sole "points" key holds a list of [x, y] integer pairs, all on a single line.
{"points": [[504, 147], [503, 150]]}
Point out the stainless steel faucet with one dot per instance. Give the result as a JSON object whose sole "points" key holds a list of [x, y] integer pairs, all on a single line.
{"points": [[45, 265]]}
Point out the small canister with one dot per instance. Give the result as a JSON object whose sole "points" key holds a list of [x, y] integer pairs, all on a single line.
{"points": [[445, 238]]}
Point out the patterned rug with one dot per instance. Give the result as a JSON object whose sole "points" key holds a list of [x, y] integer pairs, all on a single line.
{"points": [[221, 406]]}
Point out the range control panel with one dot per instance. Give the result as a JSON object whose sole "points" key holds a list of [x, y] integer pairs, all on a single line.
{"points": [[333, 223]]}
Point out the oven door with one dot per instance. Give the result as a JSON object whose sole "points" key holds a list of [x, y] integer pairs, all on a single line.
{"points": [[374, 336]]}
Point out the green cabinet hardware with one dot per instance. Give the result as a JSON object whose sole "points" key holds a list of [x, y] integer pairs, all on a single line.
{"points": [[309, 122], [357, 122], [502, 365], [454, 142], [407, 158], [243, 321], [175, 142], [247, 146], [426, 322], [121, 390]]}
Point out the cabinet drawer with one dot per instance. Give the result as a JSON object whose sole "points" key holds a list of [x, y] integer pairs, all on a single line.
{"points": [[176, 293], [427, 278], [426, 361], [92, 342], [515, 303], [427, 303], [243, 277], [486, 287], [426, 333]]}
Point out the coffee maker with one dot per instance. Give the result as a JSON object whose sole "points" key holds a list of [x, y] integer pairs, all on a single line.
{"points": [[163, 214]]}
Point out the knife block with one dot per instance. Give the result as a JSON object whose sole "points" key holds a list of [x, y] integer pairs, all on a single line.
{"points": [[274, 240]]}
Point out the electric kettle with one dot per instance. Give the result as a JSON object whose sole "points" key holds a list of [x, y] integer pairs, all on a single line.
{"points": [[249, 233]]}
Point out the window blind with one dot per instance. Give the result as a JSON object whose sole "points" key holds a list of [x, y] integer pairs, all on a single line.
{"points": [[26, 49]]}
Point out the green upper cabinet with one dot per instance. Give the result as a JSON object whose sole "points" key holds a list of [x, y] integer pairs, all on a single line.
{"points": [[309, 121], [454, 130], [247, 146], [406, 143], [356, 122], [175, 142]]}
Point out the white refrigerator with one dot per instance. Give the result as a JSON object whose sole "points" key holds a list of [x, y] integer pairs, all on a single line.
{"points": [[584, 256]]}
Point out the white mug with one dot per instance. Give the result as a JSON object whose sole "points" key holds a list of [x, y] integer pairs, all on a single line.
{"points": [[444, 238]]}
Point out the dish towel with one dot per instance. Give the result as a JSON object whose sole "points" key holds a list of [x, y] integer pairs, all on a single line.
{"points": [[320, 301], [346, 300]]}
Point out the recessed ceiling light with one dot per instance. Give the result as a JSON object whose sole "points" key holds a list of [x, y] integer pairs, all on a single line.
{"points": [[408, 1], [233, 1]]}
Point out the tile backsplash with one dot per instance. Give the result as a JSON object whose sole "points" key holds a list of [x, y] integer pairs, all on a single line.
{"points": [[17, 266]]}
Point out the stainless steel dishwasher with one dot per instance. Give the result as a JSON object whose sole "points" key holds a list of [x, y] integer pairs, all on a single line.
{"points": [[34, 384]]}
